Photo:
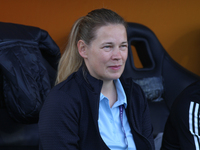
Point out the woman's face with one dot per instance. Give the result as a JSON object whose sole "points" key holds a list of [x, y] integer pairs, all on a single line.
{"points": [[106, 55]]}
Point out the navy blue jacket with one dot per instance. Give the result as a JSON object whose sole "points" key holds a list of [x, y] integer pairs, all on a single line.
{"points": [[182, 129], [69, 116], [28, 66]]}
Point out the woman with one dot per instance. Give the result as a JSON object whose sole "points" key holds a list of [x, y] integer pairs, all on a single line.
{"points": [[90, 108]]}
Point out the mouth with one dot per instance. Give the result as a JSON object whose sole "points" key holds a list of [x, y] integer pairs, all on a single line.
{"points": [[115, 67]]}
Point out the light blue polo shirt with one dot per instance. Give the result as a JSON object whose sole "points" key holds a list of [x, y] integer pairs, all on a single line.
{"points": [[109, 123]]}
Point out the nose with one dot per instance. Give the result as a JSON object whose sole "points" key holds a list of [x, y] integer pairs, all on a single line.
{"points": [[116, 54]]}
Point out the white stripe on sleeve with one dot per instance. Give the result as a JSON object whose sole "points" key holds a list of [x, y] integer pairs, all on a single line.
{"points": [[193, 123]]}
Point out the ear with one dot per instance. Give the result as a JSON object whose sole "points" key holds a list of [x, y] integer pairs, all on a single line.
{"points": [[82, 48]]}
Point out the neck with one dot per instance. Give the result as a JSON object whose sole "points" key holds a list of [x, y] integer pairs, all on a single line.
{"points": [[109, 90]]}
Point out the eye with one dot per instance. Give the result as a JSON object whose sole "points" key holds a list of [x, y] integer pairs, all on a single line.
{"points": [[107, 47], [123, 46]]}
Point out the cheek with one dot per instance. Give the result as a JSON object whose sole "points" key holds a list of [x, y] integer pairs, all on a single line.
{"points": [[98, 61], [104, 58], [125, 55]]}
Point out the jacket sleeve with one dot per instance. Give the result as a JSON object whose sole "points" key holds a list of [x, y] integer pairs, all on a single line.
{"points": [[182, 127], [58, 123]]}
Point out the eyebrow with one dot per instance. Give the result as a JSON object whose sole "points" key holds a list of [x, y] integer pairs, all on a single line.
{"points": [[126, 42], [107, 43]]}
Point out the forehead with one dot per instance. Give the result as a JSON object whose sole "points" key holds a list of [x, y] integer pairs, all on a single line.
{"points": [[111, 32]]}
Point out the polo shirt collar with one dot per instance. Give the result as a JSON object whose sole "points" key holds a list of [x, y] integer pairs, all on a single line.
{"points": [[121, 96]]}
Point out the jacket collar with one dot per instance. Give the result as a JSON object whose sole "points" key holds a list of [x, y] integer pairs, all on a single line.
{"points": [[92, 89], [92, 83]]}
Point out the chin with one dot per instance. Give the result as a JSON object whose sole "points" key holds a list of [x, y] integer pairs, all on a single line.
{"points": [[114, 77]]}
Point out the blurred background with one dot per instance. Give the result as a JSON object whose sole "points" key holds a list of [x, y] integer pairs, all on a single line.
{"points": [[176, 23]]}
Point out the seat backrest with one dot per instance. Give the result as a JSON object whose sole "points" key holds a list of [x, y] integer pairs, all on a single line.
{"points": [[156, 62]]}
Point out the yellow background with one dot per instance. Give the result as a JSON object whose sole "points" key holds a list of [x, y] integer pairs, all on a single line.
{"points": [[176, 23]]}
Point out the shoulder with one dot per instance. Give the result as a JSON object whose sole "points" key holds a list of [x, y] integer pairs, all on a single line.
{"points": [[67, 86], [64, 95], [186, 102], [190, 94]]}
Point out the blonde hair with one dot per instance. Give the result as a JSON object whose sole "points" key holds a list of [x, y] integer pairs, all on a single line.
{"points": [[70, 60], [84, 29]]}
